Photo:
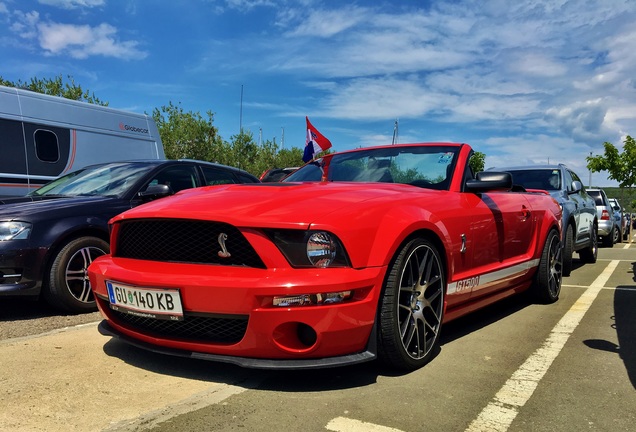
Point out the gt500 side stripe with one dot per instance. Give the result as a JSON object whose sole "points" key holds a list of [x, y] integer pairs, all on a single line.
{"points": [[475, 282]]}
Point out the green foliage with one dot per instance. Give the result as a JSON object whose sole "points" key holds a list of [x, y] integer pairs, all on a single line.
{"points": [[188, 135], [620, 166], [56, 87], [477, 161]]}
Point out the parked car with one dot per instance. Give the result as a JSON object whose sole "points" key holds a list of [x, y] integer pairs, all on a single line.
{"points": [[357, 255], [580, 221], [608, 229], [622, 220], [48, 238]]}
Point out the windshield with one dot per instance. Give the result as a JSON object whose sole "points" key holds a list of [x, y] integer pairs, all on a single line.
{"points": [[425, 166], [104, 180], [544, 179]]}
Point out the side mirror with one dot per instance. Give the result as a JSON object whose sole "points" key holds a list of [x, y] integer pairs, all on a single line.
{"points": [[155, 191], [576, 186]]}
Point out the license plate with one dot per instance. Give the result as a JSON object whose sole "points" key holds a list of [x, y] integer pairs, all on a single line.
{"points": [[155, 303]]}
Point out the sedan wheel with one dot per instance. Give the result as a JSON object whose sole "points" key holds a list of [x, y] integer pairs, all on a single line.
{"points": [[411, 307], [68, 286]]}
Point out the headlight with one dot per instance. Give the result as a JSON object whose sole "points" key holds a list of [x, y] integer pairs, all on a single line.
{"points": [[319, 249], [14, 230]]}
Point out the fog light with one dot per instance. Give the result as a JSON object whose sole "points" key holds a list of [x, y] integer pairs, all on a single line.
{"points": [[312, 299]]}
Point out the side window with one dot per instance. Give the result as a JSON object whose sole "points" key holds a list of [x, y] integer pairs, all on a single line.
{"points": [[46, 146], [215, 176], [245, 179], [177, 177]]}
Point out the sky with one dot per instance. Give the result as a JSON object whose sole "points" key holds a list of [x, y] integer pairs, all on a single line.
{"points": [[524, 82]]}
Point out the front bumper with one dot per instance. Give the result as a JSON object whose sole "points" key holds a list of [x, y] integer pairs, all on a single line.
{"points": [[273, 337], [20, 269]]}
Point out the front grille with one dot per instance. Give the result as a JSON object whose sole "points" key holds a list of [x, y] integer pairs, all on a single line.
{"points": [[188, 241], [203, 329]]}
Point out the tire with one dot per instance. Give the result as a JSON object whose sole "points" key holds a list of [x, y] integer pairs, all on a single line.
{"points": [[68, 287], [590, 253], [568, 250], [616, 235], [608, 241], [547, 284], [411, 306]]}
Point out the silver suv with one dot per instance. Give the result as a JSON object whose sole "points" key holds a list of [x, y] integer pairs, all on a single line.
{"points": [[579, 212], [608, 229]]}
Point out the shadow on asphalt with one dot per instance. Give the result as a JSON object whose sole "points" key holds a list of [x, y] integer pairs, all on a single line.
{"points": [[624, 311], [338, 378]]}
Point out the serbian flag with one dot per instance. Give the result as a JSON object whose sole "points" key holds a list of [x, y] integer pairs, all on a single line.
{"points": [[315, 142]]}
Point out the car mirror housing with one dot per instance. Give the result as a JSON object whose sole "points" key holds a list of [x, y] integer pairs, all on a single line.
{"points": [[576, 186], [156, 191]]}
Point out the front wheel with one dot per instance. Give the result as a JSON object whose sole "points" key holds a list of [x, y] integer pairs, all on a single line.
{"points": [[68, 287], [549, 275], [411, 307]]}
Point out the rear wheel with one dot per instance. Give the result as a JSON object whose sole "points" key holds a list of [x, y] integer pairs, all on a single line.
{"points": [[616, 235], [549, 274], [68, 287], [590, 253], [411, 307], [568, 250]]}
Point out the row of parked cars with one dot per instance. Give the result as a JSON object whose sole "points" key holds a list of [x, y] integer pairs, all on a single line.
{"points": [[357, 255], [588, 214], [66, 221]]}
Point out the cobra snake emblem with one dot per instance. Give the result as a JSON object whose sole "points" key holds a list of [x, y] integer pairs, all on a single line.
{"points": [[223, 253]]}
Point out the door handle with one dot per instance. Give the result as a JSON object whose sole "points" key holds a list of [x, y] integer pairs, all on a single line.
{"points": [[525, 213]]}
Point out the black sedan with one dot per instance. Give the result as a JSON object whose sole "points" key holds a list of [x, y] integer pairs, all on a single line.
{"points": [[49, 237]]}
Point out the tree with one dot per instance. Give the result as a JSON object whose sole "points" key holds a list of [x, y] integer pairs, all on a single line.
{"points": [[620, 166], [187, 135], [56, 87], [477, 161]]}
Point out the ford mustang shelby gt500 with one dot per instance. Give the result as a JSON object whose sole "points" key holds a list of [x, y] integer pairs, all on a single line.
{"points": [[358, 255]]}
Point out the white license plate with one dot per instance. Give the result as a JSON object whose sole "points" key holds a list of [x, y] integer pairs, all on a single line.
{"points": [[155, 303]]}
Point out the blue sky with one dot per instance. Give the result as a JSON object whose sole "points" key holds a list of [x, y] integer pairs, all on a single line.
{"points": [[524, 82]]}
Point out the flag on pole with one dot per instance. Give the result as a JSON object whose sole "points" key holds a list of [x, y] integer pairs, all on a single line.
{"points": [[315, 142]]}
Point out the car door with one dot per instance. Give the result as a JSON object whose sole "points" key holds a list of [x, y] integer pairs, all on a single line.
{"points": [[499, 231], [585, 208]]}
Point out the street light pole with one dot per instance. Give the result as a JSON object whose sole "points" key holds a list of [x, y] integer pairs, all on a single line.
{"points": [[589, 184]]}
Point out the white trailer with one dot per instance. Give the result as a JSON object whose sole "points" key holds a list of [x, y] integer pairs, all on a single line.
{"points": [[43, 137]]}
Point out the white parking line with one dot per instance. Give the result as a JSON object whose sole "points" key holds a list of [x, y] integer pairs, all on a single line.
{"points": [[502, 410], [343, 424]]}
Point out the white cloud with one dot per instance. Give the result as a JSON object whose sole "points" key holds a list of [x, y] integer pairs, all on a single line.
{"points": [[73, 4], [82, 41]]}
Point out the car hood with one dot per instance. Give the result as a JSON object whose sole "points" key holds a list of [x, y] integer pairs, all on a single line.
{"points": [[276, 205], [20, 209]]}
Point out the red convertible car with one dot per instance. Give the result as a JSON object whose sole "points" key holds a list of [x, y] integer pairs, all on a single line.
{"points": [[358, 255]]}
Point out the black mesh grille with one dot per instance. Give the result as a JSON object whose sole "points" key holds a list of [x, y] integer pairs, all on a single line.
{"points": [[189, 241], [191, 329]]}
